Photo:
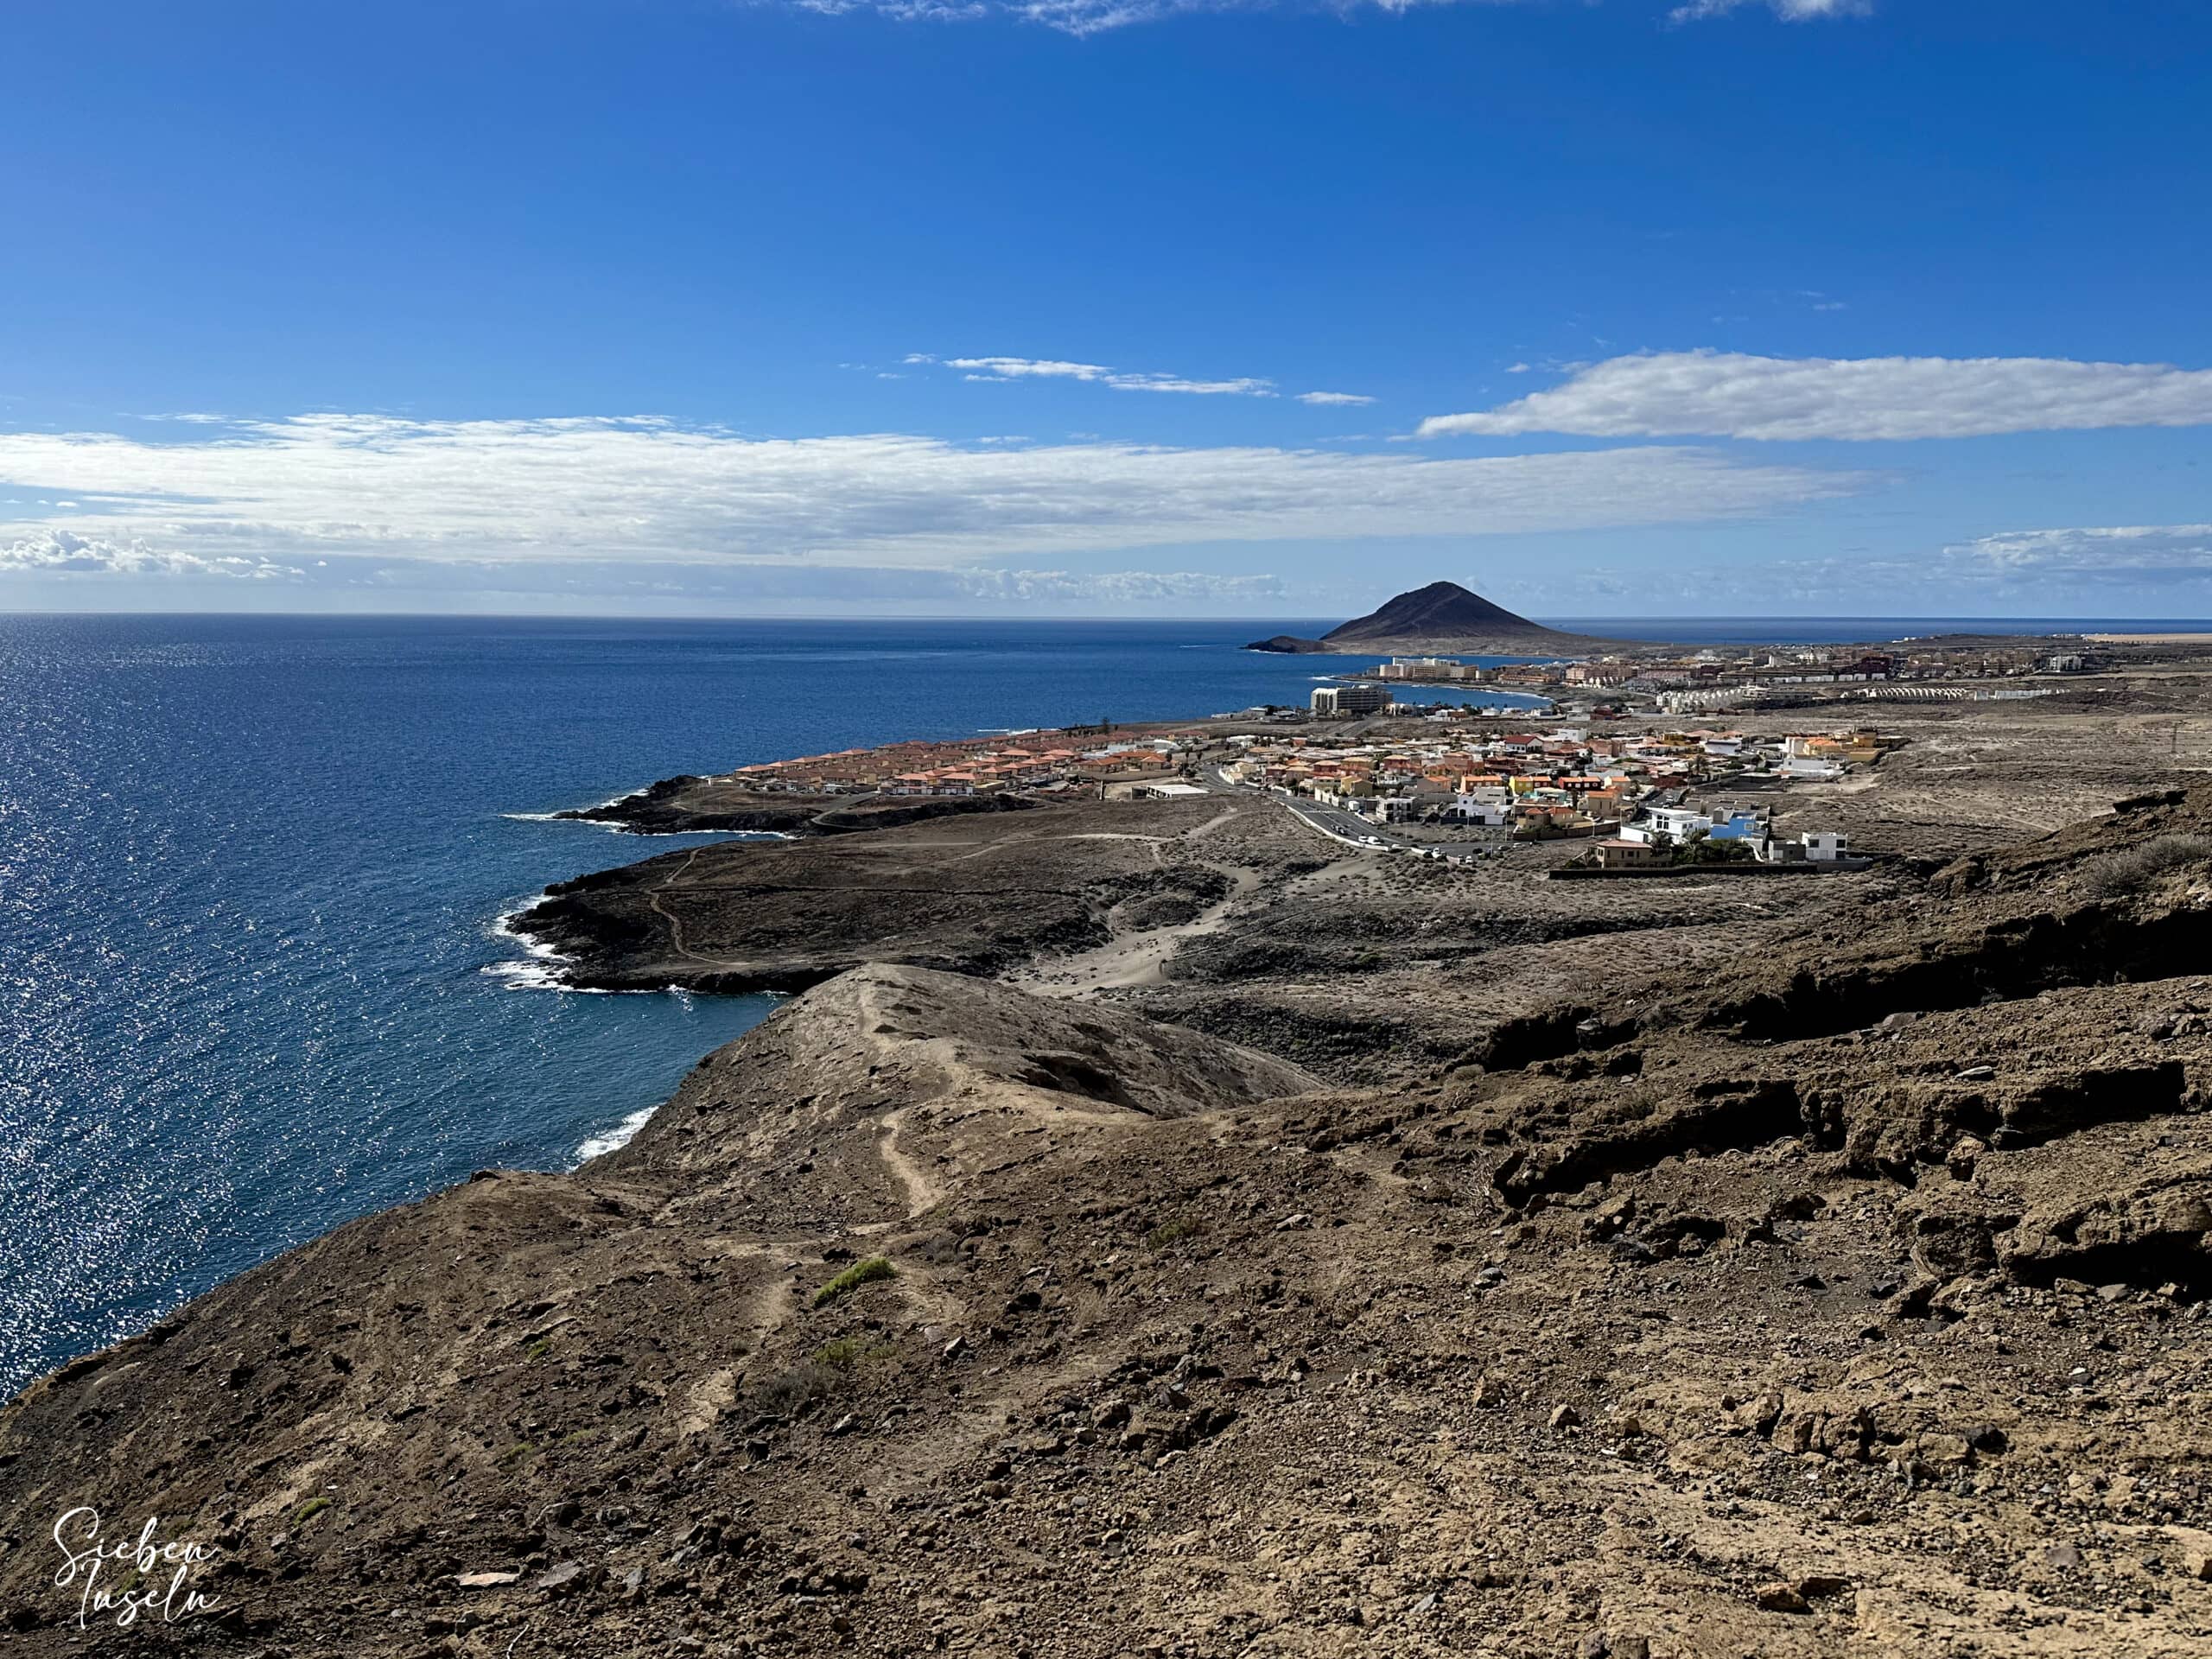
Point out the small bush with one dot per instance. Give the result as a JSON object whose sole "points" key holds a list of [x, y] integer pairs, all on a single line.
{"points": [[2132, 867], [515, 1453], [1173, 1232], [309, 1510], [788, 1393], [845, 1352], [819, 1374], [863, 1272]]}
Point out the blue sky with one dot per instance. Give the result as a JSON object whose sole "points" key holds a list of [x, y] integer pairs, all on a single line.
{"points": [[1095, 308]]}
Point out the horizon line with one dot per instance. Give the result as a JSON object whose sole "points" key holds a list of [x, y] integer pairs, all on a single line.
{"points": [[1563, 623]]}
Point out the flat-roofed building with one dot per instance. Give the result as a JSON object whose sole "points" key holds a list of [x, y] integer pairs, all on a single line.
{"points": [[1338, 702]]}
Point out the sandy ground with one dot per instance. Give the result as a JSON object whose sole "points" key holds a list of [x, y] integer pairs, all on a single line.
{"points": [[1541, 1270]]}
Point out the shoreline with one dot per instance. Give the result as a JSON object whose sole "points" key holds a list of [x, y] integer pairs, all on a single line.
{"points": [[540, 967], [1188, 1139], [1170, 1223]]}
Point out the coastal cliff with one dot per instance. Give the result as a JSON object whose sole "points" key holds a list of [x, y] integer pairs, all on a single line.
{"points": [[688, 803], [1786, 1282]]}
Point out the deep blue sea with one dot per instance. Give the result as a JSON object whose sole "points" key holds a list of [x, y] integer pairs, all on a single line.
{"points": [[252, 869]]}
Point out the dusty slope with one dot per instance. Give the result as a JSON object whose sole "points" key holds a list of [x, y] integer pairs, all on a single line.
{"points": [[1881, 1210], [1847, 1299], [359, 1420], [1228, 914]]}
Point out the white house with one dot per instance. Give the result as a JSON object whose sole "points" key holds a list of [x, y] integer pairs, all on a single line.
{"points": [[1673, 822], [1821, 847], [1810, 768], [1470, 809]]}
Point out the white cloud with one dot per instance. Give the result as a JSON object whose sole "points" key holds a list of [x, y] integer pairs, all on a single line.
{"points": [[2060, 572], [48, 549], [1004, 369], [1239, 388], [1019, 368], [2121, 555], [1112, 587], [779, 585], [589, 490], [1793, 11], [1731, 395], [1086, 17], [1035, 368]]}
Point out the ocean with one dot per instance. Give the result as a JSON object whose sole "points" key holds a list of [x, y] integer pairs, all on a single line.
{"points": [[252, 982]]}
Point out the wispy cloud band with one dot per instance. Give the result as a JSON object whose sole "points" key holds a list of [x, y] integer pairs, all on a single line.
{"points": [[594, 489], [1084, 18], [1728, 394], [2133, 556], [1007, 369], [1790, 11]]}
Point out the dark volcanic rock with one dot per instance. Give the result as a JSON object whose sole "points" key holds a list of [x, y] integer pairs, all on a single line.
{"points": [[888, 812], [976, 895], [1442, 608], [676, 806], [686, 804], [1441, 617]]}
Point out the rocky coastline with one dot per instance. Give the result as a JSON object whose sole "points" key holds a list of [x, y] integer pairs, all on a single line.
{"points": [[964, 893], [1155, 1229], [690, 803]]}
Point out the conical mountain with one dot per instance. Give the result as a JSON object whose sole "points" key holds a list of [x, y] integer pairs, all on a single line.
{"points": [[1442, 609], [1444, 618]]}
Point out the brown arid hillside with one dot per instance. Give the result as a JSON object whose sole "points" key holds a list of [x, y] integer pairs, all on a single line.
{"points": [[1818, 1280]]}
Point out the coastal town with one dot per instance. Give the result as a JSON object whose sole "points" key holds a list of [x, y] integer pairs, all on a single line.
{"points": [[1185, 1095], [1446, 781], [1746, 676]]}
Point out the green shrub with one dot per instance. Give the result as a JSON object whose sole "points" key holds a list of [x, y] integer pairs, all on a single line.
{"points": [[843, 1353], [866, 1271], [1172, 1232]]}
